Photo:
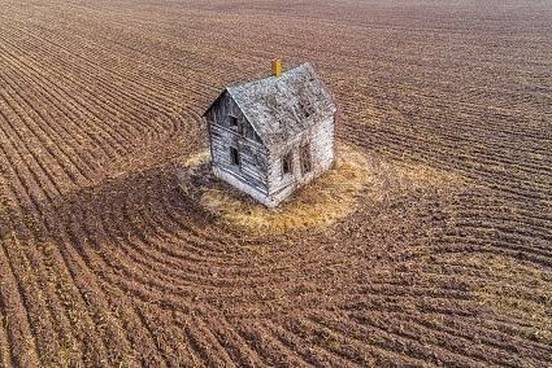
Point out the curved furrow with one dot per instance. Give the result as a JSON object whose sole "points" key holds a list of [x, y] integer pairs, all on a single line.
{"points": [[312, 355], [266, 328], [102, 103], [109, 268], [137, 249], [166, 237], [82, 165], [200, 241], [129, 94], [26, 196], [120, 133], [100, 306], [395, 340], [272, 352], [205, 342], [442, 330], [456, 280], [462, 163], [6, 358], [58, 101], [360, 352], [20, 331], [178, 244], [171, 341], [530, 292], [87, 309], [237, 348], [458, 351], [414, 291], [73, 171], [161, 107], [75, 107], [509, 249], [184, 276], [461, 242], [506, 229], [36, 161], [480, 326], [523, 348]]}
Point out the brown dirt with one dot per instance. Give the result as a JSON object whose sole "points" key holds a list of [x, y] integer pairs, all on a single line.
{"points": [[446, 261]]}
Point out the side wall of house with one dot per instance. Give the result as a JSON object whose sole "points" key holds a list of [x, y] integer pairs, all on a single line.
{"points": [[321, 140], [250, 175]]}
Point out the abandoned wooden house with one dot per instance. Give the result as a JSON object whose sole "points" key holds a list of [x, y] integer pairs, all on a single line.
{"points": [[269, 137]]}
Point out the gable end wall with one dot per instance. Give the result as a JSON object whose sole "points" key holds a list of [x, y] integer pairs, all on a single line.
{"points": [[253, 155]]}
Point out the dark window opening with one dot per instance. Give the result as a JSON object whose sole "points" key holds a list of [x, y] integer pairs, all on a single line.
{"points": [[306, 160], [286, 163], [234, 156], [233, 121], [306, 108]]}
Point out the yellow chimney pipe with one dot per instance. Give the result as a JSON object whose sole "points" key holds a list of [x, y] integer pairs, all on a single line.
{"points": [[277, 67]]}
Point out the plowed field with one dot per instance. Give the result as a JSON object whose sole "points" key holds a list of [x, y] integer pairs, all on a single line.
{"points": [[446, 259]]}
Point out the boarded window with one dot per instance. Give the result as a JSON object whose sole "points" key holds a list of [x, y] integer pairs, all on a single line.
{"points": [[306, 159], [286, 163], [234, 156]]}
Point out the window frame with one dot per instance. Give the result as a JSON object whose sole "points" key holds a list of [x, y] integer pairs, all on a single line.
{"points": [[287, 164], [235, 156], [305, 158]]}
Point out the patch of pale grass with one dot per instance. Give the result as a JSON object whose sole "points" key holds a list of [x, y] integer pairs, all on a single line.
{"points": [[423, 175], [197, 159], [320, 203]]}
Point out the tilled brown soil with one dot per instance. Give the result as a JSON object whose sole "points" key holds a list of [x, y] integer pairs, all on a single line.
{"points": [[104, 262]]}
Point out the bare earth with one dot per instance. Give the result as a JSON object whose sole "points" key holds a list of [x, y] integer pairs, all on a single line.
{"points": [[446, 259]]}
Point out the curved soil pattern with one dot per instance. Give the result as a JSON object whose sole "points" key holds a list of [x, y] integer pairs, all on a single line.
{"points": [[103, 261]]}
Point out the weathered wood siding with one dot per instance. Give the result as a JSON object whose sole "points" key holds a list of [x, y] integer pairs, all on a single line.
{"points": [[253, 156], [321, 139], [260, 170]]}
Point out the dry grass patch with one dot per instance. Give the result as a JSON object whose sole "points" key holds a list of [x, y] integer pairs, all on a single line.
{"points": [[320, 203]]}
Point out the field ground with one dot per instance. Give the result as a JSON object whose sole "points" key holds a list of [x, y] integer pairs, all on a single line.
{"points": [[448, 261]]}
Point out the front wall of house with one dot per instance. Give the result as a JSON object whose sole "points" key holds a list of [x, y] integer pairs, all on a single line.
{"points": [[223, 135], [321, 139]]}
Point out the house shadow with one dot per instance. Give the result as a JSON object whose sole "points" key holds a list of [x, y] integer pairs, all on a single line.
{"points": [[129, 205]]}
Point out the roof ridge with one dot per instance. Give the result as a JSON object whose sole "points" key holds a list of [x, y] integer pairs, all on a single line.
{"points": [[279, 108]]}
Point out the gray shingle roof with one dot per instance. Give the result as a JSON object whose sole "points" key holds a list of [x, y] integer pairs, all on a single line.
{"points": [[281, 107]]}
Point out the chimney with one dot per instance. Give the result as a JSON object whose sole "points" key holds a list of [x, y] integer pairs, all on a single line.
{"points": [[277, 67]]}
